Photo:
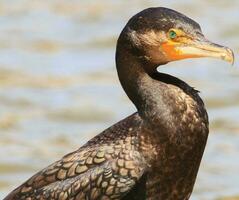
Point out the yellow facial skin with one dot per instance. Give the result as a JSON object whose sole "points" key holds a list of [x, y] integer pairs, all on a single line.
{"points": [[183, 46]]}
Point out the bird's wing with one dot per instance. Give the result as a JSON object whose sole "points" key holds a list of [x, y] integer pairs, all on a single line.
{"points": [[95, 171]]}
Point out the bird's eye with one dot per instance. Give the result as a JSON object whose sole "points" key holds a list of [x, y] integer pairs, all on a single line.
{"points": [[172, 34]]}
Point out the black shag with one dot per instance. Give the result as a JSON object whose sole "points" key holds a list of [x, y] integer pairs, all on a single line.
{"points": [[155, 153]]}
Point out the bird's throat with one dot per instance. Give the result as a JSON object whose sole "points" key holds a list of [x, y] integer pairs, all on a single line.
{"points": [[143, 90]]}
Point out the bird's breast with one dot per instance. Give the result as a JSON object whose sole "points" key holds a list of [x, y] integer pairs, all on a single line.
{"points": [[173, 150]]}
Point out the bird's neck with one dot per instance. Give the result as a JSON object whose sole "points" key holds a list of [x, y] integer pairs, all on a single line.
{"points": [[143, 90], [154, 94]]}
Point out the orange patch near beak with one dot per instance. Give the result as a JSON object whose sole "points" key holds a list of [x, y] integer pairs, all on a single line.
{"points": [[172, 53]]}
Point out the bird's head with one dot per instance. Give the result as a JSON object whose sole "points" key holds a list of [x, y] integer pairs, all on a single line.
{"points": [[161, 35]]}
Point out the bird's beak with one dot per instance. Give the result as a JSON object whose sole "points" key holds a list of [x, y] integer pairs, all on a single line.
{"points": [[200, 48]]}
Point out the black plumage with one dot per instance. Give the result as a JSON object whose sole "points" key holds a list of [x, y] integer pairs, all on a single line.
{"points": [[154, 153]]}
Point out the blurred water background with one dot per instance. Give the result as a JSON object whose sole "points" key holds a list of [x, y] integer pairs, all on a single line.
{"points": [[59, 88]]}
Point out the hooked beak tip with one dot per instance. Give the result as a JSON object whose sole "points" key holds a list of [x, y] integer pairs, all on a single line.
{"points": [[229, 56]]}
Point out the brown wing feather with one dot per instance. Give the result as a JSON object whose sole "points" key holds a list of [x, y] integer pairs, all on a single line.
{"points": [[107, 167]]}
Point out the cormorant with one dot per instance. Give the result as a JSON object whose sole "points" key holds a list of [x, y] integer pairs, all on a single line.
{"points": [[155, 153]]}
